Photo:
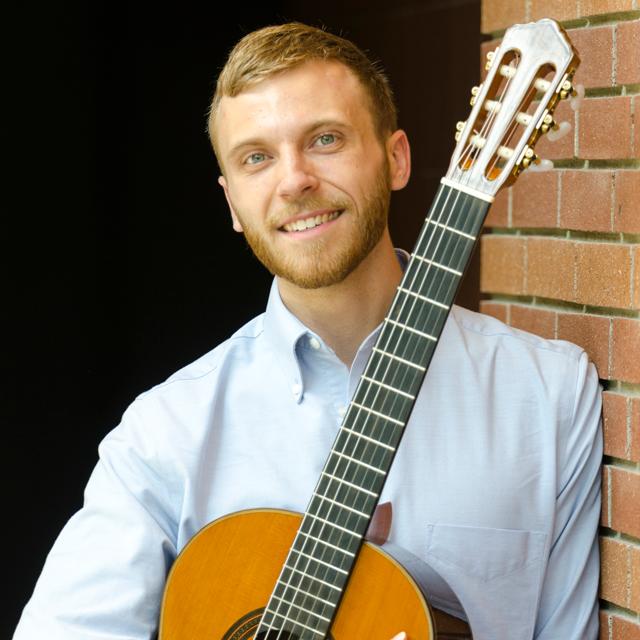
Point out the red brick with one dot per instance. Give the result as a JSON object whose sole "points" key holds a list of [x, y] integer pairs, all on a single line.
{"points": [[598, 7], [636, 129], [595, 48], [605, 519], [635, 429], [502, 264], [628, 54], [538, 321], [585, 200], [499, 212], [625, 350], [500, 14], [626, 207], [625, 501], [591, 333], [603, 274], [636, 278], [614, 568], [634, 596], [498, 310], [535, 200], [563, 148], [550, 268], [614, 412], [605, 128], [622, 629], [556, 9]]}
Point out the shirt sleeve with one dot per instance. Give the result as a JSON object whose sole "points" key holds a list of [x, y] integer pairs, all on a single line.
{"points": [[105, 574], [569, 599]]}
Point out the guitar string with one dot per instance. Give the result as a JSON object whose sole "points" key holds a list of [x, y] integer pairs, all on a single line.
{"points": [[487, 124], [297, 566], [471, 150]]}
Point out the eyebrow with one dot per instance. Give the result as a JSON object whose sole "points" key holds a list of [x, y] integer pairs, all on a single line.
{"points": [[318, 124]]}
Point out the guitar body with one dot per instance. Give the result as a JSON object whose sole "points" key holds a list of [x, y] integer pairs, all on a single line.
{"points": [[225, 575]]}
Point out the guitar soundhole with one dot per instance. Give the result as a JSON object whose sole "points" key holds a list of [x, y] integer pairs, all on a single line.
{"points": [[245, 627]]}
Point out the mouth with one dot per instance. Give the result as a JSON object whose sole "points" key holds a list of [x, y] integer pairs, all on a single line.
{"points": [[310, 222]]}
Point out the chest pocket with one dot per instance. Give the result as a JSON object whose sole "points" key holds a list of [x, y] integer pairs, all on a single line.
{"points": [[495, 573]]}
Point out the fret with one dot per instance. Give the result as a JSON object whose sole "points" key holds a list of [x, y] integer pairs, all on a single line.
{"points": [[328, 544], [304, 574], [355, 534], [359, 462], [388, 387], [341, 505], [299, 590], [265, 626], [441, 225], [428, 336], [322, 562], [394, 357], [367, 438], [425, 298], [437, 264], [350, 484], [377, 414], [297, 606]]}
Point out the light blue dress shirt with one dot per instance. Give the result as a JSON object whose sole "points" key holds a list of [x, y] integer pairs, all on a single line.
{"points": [[496, 484]]}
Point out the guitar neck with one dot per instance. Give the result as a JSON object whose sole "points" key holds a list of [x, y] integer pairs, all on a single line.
{"points": [[319, 563]]}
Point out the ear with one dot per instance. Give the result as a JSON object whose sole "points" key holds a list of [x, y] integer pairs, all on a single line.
{"points": [[234, 218], [399, 156]]}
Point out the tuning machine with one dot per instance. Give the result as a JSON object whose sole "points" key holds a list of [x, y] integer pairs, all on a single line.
{"points": [[459, 127], [474, 94]]}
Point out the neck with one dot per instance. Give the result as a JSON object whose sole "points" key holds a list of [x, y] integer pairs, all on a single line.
{"points": [[344, 314]]}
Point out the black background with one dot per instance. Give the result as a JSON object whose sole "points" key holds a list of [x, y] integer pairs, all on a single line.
{"points": [[119, 261]]}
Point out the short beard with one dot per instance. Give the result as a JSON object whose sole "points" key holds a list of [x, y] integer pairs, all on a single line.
{"points": [[319, 267]]}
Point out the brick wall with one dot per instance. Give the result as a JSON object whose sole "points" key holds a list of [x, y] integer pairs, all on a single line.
{"points": [[561, 257]]}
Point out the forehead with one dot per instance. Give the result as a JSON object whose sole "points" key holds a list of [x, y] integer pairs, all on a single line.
{"points": [[311, 92]]}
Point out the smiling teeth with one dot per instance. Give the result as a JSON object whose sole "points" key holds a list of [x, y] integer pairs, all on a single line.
{"points": [[309, 223]]}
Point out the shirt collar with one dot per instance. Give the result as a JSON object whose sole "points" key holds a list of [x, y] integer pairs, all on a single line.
{"points": [[284, 331]]}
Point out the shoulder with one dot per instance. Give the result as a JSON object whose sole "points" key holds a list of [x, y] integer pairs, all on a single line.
{"points": [[483, 331], [239, 346]]}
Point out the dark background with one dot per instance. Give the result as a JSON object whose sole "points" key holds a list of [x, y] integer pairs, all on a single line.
{"points": [[119, 260]]}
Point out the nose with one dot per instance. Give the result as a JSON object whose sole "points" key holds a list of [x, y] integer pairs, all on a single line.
{"points": [[297, 175]]}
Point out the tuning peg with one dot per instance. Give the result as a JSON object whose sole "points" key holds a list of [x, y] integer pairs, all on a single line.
{"points": [[559, 131], [474, 94], [566, 90], [575, 100], [459, 127], [529, 158], [542, 165], [548, 123], [490, 56]]}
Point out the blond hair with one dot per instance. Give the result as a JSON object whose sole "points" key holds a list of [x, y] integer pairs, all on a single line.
{"points": [[274, 49]]}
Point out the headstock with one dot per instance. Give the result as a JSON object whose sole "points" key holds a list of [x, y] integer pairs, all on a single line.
{"points": [[529, 73]]}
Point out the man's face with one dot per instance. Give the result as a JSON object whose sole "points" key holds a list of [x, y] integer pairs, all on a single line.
{"points": [[305, 175]]}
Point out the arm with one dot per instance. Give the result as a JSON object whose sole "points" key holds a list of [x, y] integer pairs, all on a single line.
{"points": [[569, 599], [105, 575]]}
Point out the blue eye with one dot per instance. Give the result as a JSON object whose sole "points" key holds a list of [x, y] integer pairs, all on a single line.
{"points": [[326, 139], [255, 158]]}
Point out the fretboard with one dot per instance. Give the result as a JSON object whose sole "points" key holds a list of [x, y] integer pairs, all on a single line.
{"points": [[309, 589]]}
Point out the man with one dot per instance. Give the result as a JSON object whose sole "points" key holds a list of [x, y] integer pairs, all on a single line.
{"points": [[496, 482]]}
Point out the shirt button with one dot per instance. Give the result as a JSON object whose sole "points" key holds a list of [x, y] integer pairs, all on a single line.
{"points": [[342, 411], [314, 343], [296, 389]]}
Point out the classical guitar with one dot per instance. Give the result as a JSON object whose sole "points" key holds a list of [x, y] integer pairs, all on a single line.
{"points": [[278, 575]]}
